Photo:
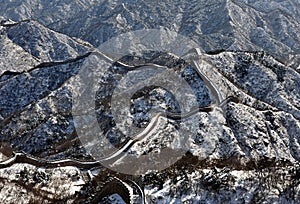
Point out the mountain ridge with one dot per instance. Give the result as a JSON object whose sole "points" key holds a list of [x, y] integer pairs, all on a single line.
{"points": [[246, 151], [97, 22]]}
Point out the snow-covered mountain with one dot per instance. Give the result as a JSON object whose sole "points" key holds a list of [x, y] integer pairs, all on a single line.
{"points": [[251, 144], [272, 25]]}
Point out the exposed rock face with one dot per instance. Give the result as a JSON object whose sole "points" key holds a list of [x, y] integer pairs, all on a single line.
{"points": [[245, 151]]}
